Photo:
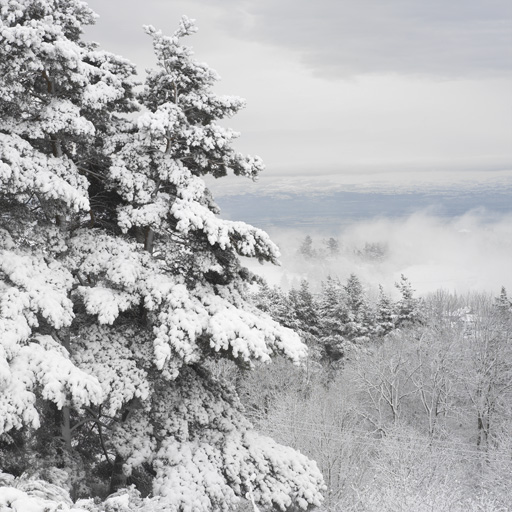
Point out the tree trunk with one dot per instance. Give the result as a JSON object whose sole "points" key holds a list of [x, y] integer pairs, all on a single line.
{"points": [[118, 479], [149, 241], [66, 427]]}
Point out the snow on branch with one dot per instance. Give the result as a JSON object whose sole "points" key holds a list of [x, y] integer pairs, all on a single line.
{"points": [[24, 170]]}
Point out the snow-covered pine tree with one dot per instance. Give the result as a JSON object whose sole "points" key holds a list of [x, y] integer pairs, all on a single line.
{"points": [[277, 304], [306, 309], [385, 316], [333, 247], [58, 98], [407, 308], [120, 286], [307, 324], [332, 310], [359, 316], [306, 249], [503, 303]]}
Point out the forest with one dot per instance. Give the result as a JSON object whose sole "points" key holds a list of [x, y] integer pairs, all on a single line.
{"points": [[404, 404], [144, 368]]}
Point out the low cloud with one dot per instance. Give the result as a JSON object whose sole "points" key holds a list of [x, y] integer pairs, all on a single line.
{"points": [[467, 253]]}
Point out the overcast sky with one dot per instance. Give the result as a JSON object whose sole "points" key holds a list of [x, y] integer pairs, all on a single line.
{"points": [[347, 87]]}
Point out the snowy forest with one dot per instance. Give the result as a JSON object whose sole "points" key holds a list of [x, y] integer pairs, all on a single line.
{"points": [[144, 368], [405, 402]]}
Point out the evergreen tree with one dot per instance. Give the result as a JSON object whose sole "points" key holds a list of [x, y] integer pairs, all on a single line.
{"points": [[119, 285], [277, 304], [503, 303], [408, 308], [59, 98], [359, 318], [333, 247], [306, 248], [305, 307], [307, 320], [265, 296], [385, 315], [332, 311]]}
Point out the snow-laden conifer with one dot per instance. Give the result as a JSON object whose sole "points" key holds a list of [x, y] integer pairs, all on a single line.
{"points": [[408, 309], [385, 316], [358, 314], [332, 310], [119, 284], [54, 89]]}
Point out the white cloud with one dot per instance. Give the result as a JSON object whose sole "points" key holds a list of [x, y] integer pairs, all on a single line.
{"points": [[467, 253]]}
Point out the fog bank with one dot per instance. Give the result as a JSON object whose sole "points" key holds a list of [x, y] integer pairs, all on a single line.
{"points": [[465, 253]]}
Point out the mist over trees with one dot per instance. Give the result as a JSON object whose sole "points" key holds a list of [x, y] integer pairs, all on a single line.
{"points": [[460, 254]]}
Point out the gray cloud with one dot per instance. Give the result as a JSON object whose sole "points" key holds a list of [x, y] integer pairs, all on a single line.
{"points": [[345, 37], [339, 38]]}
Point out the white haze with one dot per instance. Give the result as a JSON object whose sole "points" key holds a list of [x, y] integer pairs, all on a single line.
{"points": [[460, 254]]}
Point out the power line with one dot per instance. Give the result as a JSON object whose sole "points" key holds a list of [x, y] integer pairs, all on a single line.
{"points": [[366, 433], [355, 438]]}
